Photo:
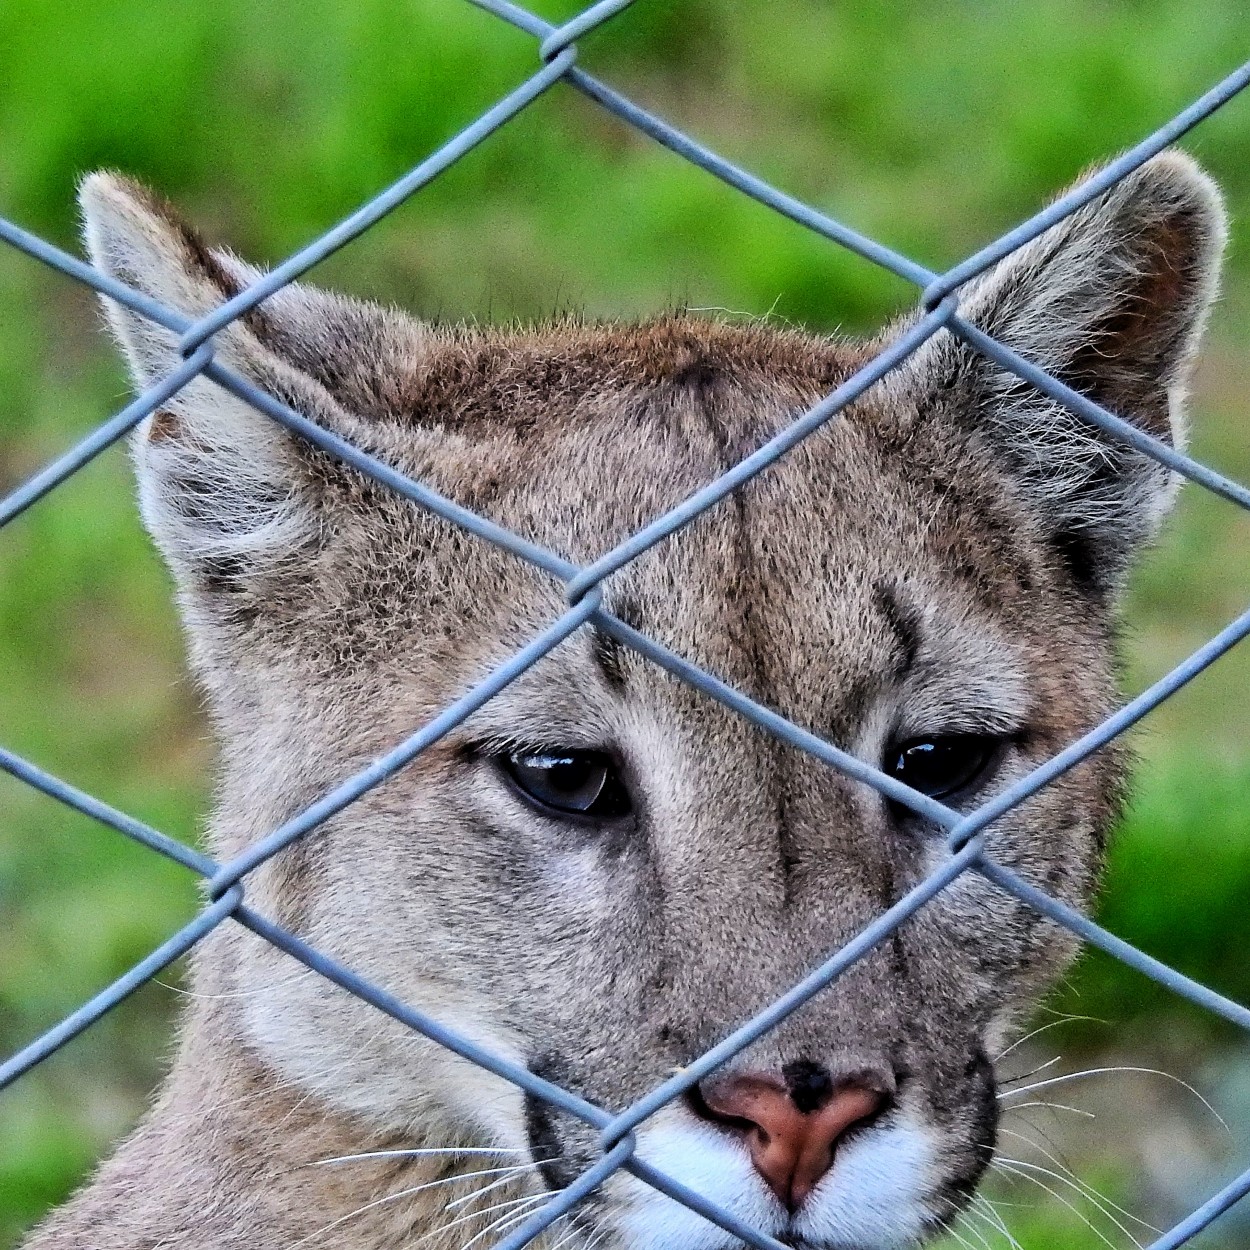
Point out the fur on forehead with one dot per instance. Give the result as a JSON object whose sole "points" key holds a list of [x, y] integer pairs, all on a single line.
{"points": [[380, 362], [1112, 300]]}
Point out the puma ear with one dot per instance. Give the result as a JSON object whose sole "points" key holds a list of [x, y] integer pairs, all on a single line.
{"points": [[226, 491], [1112, 302]]}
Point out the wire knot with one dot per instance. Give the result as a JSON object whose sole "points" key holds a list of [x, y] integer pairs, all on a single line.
{"points": [[199, 354], [562, 38], [944, 303], [617, 1133], [964, 835], [578, 588], [556, 44], [222, 883], [938, 291], [198, 337], [232, 894]]}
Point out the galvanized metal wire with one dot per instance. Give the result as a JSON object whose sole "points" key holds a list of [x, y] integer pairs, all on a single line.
{"points": [[555, 57]]}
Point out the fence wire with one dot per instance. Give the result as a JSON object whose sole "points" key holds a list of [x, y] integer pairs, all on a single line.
{"points": [[556, 54]]}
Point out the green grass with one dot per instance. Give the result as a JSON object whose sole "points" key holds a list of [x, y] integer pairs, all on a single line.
{"points": [[930, 127]]}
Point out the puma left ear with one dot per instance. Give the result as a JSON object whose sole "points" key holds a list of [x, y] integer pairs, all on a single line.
{"points": [[232, 498], [1111, 301]]}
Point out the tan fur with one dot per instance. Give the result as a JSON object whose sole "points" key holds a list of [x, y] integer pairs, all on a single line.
{"points": [[945, 557]]}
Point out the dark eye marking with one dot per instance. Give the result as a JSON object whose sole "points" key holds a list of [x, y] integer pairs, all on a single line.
{"points": [[943, 766], [568, 783]]}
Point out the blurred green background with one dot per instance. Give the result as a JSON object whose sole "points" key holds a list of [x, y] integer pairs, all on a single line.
{"points": [[932, 127]]}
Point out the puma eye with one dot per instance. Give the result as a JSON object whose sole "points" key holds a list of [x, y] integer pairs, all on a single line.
{"points": [[943, 765], [576, 783]]}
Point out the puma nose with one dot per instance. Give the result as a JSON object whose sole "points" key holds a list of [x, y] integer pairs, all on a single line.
{"points": [[792, 1125]]}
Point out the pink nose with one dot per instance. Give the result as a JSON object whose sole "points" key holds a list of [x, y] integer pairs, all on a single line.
{"points": [[791, 1149]]}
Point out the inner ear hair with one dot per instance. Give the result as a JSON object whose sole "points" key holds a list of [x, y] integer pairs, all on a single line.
{"points": [[1111, 301]]}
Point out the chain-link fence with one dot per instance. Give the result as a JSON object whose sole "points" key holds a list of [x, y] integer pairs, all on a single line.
{"points": [[225, 883]]}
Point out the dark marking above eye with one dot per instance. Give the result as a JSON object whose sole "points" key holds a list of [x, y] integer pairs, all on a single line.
{"points": [[607, 653], [904, 623]]}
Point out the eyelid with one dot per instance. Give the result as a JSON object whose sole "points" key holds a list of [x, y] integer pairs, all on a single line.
{"points": [[958, 725], [514, 744], [996, 744]]}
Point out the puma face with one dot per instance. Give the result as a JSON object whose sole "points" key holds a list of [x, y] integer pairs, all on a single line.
{"points": [[603, 872]]}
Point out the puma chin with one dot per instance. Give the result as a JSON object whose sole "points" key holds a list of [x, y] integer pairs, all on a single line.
{"points": [[602, 873]]}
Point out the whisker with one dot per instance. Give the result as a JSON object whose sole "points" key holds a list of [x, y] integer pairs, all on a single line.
{"points": [[369, 1206], [1054, 1106], [1093, 1193], [1024, 1076], [966, 1224], [402, 1193], [1105, 1206], [528, 1200], [298, 975], [1074, 1076], [963, 1241], [1045, 1028], [569, 1236], [983, 1207], [511, 1220], [1055, 1154], [1067, 1015], [1006, 1168], [508, 1204], [430, 1184], [513, 1172], [418, 1152], [598, 1237]]}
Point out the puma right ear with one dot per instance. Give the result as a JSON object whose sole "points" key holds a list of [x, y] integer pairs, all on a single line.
{"points": [[1111, 301]]}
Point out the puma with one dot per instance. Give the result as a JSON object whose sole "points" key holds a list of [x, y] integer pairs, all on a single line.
{"points": [[602, 872]]}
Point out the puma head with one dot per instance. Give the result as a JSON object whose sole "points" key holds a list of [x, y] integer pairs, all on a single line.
{"points": [[602, 872]]}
